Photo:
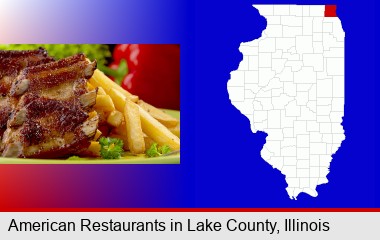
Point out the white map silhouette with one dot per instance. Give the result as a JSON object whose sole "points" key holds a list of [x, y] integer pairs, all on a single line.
{"points": [[290, 85]]}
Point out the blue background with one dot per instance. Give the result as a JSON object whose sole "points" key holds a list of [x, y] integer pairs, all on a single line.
{"points": [[220, 156]]}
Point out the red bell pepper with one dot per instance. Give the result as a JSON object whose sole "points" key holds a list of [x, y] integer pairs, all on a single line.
{"points": [[153, 72]]}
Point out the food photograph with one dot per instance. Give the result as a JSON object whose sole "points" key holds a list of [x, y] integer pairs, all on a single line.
{"points": [[90, 103]]}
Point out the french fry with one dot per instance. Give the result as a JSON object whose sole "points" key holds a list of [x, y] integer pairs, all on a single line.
{"points": [[97, 134], [104, 102], [118, 98], [148, 141], [99, 79], [135, 135], [138, 119], [115, 118], [90, 87], [158, 132], [149, 124], [103, 115], [175, 130], [158, 114], [92, 114], [121, 129], [101, 91]]}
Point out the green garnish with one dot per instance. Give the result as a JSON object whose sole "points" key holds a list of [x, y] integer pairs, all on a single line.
{"points": [[119, 73], [100, 52], [155, 151], [74, 158], [110, 148]]}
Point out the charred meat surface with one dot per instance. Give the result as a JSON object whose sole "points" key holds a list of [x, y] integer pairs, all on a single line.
{"points": [[11, 63], [50, 118]]}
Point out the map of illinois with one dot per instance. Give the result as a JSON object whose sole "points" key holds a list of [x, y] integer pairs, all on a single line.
{"points": [[290, 85]]}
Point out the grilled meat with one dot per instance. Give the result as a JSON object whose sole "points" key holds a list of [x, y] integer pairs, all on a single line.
{"points": [[11, 63], [50, 117]]}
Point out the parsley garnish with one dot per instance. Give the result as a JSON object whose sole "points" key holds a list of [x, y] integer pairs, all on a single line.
{"points": [[110, 148], [155, 151]]}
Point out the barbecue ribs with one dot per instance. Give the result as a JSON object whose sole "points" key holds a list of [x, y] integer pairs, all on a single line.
{"points": [[49, 108]]}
